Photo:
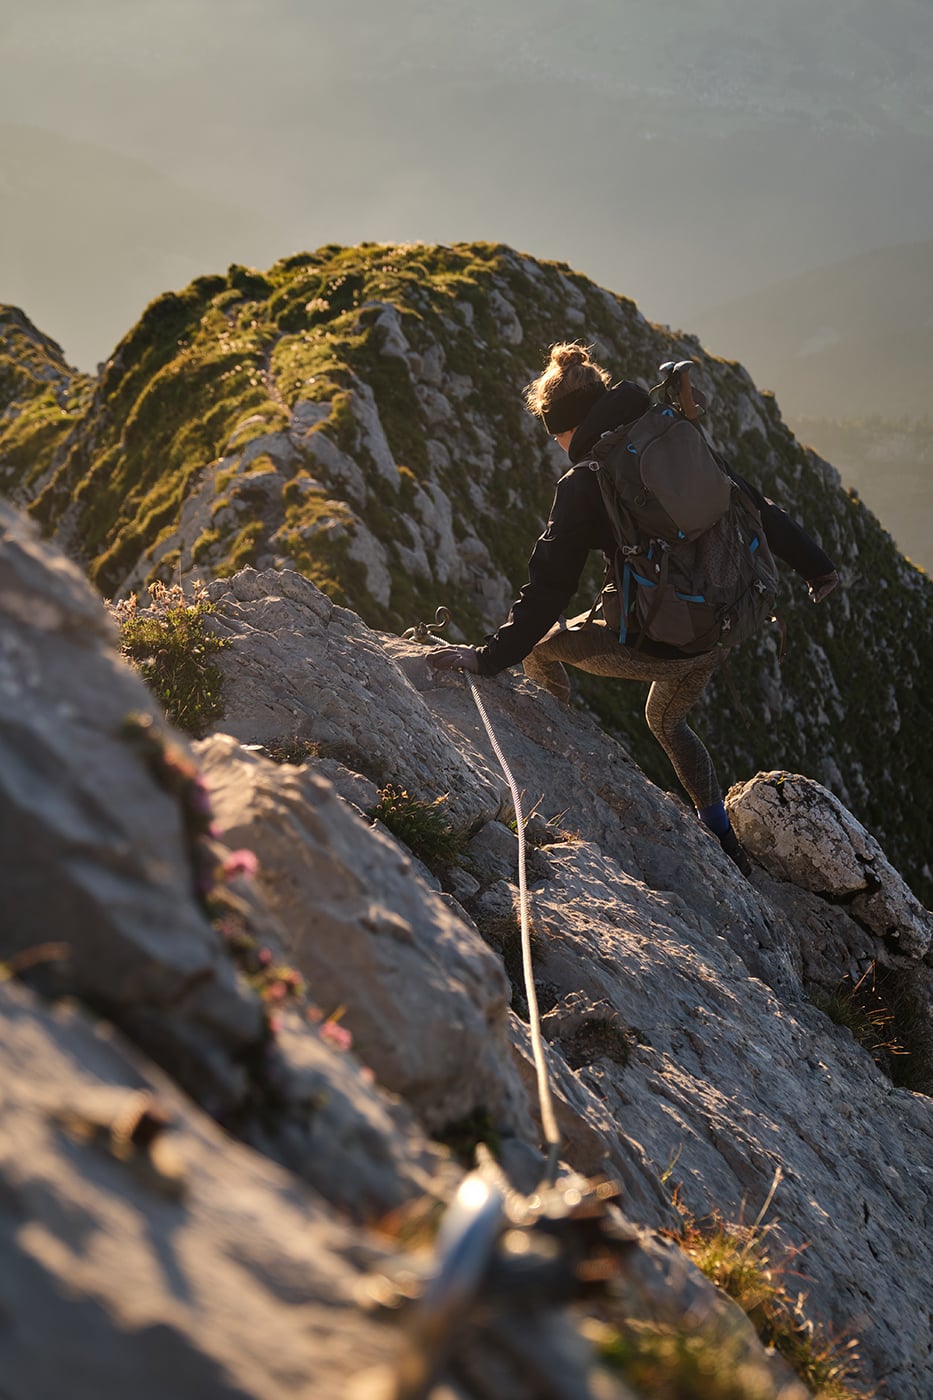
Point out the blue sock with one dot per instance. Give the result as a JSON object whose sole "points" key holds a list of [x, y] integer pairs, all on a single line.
{"points": [[715, 817]]}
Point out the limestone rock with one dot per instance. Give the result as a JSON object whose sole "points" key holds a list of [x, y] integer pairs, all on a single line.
{"points": [[298, 666], [802, 833], [683, 1050], [193, 1267], [99, 873], [424, 998], [75, 800]]}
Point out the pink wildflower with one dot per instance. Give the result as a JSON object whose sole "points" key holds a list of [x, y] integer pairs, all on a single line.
{"points": [[241, 863], [336, 1035]]}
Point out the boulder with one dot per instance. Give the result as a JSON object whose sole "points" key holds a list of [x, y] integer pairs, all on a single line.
{"points": [[803, 834], [97, 867], [104, 895]]}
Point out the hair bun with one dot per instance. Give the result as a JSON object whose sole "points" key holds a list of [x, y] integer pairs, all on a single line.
{"points": [[569, 354], [569, 368]]}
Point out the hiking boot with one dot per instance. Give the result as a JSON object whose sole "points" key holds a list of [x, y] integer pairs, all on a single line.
{"points": [[730, 844]]}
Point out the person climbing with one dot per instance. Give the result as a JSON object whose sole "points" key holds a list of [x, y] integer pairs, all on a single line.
{"points": [[576, 403]]}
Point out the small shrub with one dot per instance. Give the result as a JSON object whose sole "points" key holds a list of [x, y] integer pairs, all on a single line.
{"points": [[503, 933], [422, 826], [598, 1037], [172, 651]]}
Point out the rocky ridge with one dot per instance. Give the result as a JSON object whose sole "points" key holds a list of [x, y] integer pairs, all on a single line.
{"points": [[354, 414], [685, 1042]]}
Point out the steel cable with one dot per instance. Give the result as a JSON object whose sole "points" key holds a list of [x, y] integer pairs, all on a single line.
{"points": [[548, 1118]]}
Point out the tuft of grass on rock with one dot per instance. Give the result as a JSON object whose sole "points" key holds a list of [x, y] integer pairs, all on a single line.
{"points": [[739, 1259], [886, 1013], [172, 650], [421, 826], [667, 1363], [293, 751]]}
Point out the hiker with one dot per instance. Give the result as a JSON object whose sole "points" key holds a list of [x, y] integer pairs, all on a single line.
{"points": [[576, 404]]}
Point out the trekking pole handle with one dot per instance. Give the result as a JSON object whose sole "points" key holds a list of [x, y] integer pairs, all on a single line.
{"points": [[688, 403]]}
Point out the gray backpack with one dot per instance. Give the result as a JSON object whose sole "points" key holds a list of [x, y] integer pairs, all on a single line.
{"points": [[692, 565]]}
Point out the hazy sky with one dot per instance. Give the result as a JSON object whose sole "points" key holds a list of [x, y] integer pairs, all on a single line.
{"points": [[672, 151]]}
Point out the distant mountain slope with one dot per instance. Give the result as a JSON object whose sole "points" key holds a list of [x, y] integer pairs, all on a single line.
{"points": [[844, 341], [355, 414], [890, 464]]}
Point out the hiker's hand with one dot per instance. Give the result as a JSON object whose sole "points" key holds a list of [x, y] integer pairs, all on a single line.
{"points": [[454, 659], [821, 587]]}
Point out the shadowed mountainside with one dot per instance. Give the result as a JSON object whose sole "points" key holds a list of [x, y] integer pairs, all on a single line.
{"points": [[890, 465]]}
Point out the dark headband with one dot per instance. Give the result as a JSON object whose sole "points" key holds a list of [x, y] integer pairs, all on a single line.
{"points": [[569, 410]]}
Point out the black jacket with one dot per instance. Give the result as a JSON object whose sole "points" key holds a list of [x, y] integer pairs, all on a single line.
{"points": [[578, 523]]}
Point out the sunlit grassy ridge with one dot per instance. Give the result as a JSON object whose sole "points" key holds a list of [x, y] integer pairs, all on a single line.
{"points": [[321, 412], [40, 398]]}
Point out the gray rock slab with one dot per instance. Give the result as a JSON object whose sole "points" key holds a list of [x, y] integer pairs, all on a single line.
{"points": [[726, 1083], [235, 1284], [298, 666], [93, 851], [423, 996]]}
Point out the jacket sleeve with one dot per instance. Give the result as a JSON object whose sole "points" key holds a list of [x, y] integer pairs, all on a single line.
{"points": [[788, 540], [554, 571]]}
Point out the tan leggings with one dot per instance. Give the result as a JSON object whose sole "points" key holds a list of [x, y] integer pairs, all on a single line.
{"points": [[676, 685]]}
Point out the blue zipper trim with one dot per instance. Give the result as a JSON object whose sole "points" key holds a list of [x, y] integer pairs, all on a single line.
{"points": [[623, 625]]}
